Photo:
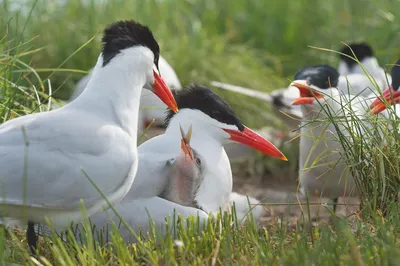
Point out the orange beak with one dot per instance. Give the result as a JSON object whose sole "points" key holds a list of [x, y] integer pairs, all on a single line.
{"points": [[250, 138], [386, 93], [185, 143], [307, 93], [187, 150], [163, 92], [391, 98]]}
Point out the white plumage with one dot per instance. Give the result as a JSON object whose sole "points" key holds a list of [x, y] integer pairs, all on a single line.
{"points": [[213, 124], [151, 106], [42, 155]]}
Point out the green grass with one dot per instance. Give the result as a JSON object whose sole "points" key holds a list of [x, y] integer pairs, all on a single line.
{"points": [[359, 243], [258, 44]]}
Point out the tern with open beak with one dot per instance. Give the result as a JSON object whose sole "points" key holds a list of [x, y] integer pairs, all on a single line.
{"points": [[44, 156], [185, 175], [323, 171]]}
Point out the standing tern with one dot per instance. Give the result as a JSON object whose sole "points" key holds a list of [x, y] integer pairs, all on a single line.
{"points": [[43, 155], [151, 106], [322, 170]]}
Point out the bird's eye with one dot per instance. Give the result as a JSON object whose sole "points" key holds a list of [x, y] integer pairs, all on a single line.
{"points": [[198, 161]]}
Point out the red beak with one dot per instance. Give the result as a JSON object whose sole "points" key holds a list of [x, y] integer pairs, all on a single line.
{"points": [[250, 138], [308, 94], [163, 92], [390, 98], [386, 93], [187, 150]]}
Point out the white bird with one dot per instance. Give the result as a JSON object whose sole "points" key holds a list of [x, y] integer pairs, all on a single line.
{"points": [[243, 208], [151, 106], [214, 124], [353, 79], [43, 155], [323, 171], [183, 177]]}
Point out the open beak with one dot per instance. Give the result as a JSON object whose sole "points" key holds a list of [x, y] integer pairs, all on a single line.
{"points": [[185, 143], [391, 98], [250, 138], [163, 92], [307, 93], [386, 93]]}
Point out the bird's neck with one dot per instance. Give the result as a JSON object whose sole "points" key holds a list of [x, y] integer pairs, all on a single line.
{"points": [[113, 93]]}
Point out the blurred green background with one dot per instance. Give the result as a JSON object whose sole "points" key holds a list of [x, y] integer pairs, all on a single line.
{"points": [[253, 43]]}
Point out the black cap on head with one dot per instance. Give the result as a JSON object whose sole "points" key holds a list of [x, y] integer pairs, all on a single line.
{"points": [[124, 34], [360, 50], [204, 99], [396, 75], [322, 76]]}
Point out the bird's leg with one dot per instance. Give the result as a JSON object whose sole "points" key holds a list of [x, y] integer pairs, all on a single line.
{"points": [[31, 237], [335, 201]]}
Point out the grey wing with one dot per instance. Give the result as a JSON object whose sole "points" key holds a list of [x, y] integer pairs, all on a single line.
{"points": [[49, 167]]}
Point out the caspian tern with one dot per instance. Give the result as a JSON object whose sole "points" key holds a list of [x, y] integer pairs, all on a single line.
{"points": [[354, 74], [151, 106], [214, 124], [322, 170], [43, 155]]}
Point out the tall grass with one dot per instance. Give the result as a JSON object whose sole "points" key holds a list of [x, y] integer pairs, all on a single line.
{"points": [[250, 43], [369, 148]]}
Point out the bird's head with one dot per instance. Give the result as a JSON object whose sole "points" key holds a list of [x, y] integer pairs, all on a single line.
{"points": [[315, 84], [211, 116], [362, 51], [128, 44]]}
